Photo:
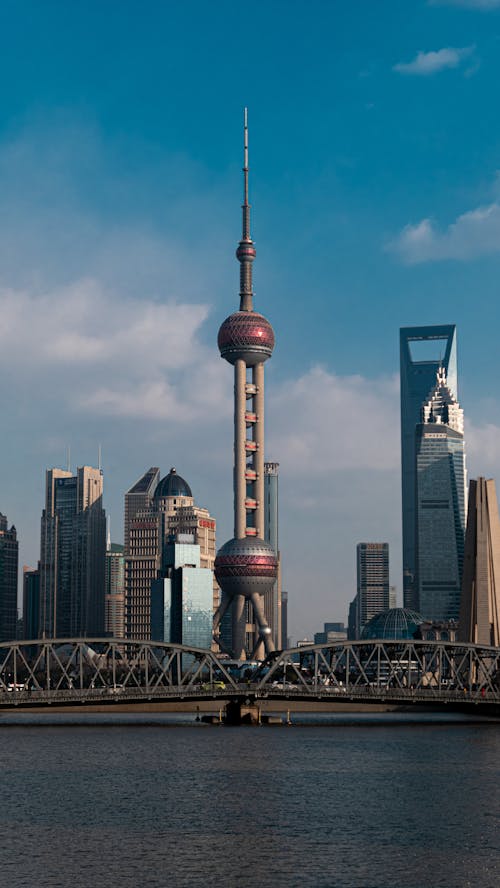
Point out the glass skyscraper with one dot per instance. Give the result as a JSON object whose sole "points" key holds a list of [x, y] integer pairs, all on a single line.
{"points": [[423, 350], [440, 504], [182, 599], [372, 563]]}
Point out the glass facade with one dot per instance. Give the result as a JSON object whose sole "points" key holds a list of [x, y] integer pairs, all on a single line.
{"points": [[418, 376], [182, 601], [440, 504], [393, 624], [440, 521]]}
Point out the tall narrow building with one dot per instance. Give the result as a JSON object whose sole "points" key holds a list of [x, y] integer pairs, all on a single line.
{"points": [[372, 568], [479, 621], [114, 600], [273, 598], [246, 566], [440, 504], [9, 556], [72, 554], [422, 351]]}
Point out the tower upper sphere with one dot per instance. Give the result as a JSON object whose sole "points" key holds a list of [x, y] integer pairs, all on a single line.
{"points": [[247, 335]]}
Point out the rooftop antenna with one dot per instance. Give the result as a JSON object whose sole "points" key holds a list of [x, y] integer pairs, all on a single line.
{"points": [[245, 253], [68, 457], [99, 455]]}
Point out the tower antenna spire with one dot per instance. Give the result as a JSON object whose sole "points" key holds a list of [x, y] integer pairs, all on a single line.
{"points": [[245, 253]]}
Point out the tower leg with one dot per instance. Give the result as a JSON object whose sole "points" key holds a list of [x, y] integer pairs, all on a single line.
{"points": [[239, 627], [264, 630], [218, 615]]}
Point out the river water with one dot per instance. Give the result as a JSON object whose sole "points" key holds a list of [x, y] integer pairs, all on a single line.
{"points": [[331, 802]]}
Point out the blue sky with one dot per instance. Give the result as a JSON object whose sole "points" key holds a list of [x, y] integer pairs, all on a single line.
{"points": [[374, 153]]}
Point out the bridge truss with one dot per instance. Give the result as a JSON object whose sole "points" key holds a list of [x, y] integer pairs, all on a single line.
{"points": [[95, 670]]}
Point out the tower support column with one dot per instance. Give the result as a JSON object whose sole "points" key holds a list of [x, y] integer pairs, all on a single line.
{"points": [[258, 379], [240, 520]]}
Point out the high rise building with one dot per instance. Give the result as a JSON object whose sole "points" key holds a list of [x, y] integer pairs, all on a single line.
{"points": [[246, 566], [31, 602], [167, 507], [181, 599], [72, 554], [440, 504], [423, 350], [114, 591], [9, 554], [479, 621], [273, 598], [372, 562]]}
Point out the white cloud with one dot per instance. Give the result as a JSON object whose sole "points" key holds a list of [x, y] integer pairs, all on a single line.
{"points": [[325, 423], [426, 63], [474, 233], [148, 353]]}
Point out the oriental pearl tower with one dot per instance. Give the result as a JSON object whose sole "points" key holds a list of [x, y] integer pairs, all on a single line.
{"points": [[246, 566]]}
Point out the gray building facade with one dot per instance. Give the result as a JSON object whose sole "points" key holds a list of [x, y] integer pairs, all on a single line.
{"points": [[372, 567], [72, 554], [9, 556]]}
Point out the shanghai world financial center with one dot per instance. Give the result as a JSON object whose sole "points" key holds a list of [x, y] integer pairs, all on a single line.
{"points": [[433, 472]]}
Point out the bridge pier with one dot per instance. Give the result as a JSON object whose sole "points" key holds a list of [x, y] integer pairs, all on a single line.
{"points": [[242, 712]]}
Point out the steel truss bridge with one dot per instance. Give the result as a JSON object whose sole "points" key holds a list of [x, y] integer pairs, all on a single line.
{"points": [[78, 671]]}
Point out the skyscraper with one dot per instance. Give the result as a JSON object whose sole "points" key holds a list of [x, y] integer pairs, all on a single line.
{"points": [[273, 598], [246, 566], [9, 554], [31, 602], [72, 554], [479, 621], [440, 504], [422, 351], [372, 568], [114, 591], [154, 510]]}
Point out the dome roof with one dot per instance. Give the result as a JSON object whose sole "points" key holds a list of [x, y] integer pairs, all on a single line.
{"points": [[395, 623], [247, 335], [172, 485]]}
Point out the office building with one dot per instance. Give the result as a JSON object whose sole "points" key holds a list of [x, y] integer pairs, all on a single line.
{"points": [[114, 591], [9, 555], [423, 350], [372, 567], [72, 554], [182, 597], [246, 566], [331, 633], [479, 621], [440, 504], [31, 602], [156, 509]]}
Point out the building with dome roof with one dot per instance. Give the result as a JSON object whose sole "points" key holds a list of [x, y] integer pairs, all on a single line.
{"points": [[440, 503], [393, 624], [155, 510], [246, 566]]}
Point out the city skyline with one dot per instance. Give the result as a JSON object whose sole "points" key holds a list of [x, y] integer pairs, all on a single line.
{"points": [[376, 207]]}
